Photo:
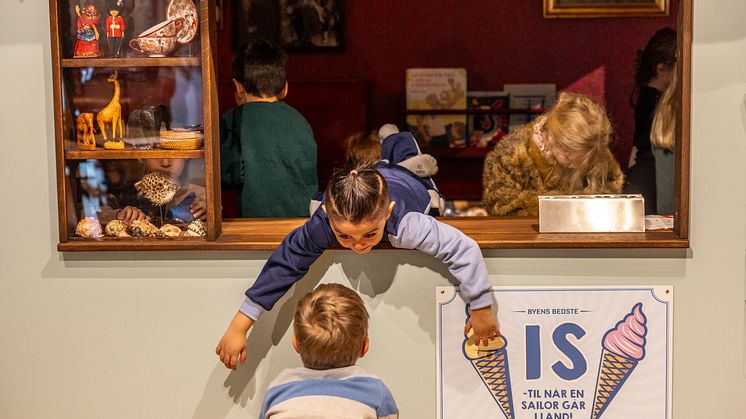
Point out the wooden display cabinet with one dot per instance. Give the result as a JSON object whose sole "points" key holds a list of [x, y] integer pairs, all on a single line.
{"points": [[166, 81]]}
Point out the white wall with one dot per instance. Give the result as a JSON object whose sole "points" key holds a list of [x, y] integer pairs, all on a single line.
{"points": [[131, 335]]}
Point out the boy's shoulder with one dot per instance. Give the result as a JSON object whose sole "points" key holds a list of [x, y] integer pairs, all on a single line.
{"points": [[267, 111], [294, 375], [330, 387]]}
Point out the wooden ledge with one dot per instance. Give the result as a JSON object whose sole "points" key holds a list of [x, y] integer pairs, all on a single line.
{"points": [[489, 233]]}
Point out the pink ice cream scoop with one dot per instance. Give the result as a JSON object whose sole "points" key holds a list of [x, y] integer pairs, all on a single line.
{"points": [[627, 338]]}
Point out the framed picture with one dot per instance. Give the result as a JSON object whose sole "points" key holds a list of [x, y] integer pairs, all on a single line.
{"points": [[296, 25], [604, 8]]}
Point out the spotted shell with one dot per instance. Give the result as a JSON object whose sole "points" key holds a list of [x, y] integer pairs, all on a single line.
{"points": [[116, 228], [142, 228], [196, 229], [169, 230]]}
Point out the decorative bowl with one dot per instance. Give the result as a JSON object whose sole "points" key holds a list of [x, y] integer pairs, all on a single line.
{"points": [[153, 46], [165, 29]]}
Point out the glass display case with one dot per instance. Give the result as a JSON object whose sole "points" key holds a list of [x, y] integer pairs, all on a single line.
{"points": [[134, 103]]}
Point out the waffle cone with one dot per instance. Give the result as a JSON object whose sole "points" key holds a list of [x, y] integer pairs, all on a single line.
{"points": [[612, 373], [493, 368]]}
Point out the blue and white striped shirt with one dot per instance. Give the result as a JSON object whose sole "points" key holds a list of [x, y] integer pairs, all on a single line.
{"points": [[337, 393]]}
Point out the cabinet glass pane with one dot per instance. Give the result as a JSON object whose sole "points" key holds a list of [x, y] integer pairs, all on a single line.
{"points": [[129, 28], [156, 198], [142, 101]]}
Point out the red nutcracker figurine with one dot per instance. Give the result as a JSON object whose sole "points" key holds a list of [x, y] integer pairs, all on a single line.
{"points": [[86, 42], [115, 27]]}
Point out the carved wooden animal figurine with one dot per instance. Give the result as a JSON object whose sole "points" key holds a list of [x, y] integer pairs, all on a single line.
{"points": [[85, 139], [112, 114], [146, 122]]}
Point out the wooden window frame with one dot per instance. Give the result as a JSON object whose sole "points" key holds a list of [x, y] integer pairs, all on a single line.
{"points": [[488, 232]]}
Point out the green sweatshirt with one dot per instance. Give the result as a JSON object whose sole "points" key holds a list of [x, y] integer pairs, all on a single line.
{"points": [[268, 149]]}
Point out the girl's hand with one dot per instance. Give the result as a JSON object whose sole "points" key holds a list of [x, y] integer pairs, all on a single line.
{"points": [[198, 209], [129, 214], [484, 325], [232, 346]]}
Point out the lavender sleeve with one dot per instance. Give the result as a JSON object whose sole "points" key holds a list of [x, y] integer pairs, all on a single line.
{"points": [[460, 253]]}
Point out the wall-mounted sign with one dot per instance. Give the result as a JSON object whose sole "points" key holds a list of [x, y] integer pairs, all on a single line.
{"points": [[565, 353]]}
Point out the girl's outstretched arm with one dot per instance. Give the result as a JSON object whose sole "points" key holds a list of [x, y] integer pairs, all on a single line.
{"points": [[464, 260], [288, 264]]}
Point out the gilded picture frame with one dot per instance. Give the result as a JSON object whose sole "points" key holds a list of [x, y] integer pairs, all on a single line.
{"points": [[605, 8]]}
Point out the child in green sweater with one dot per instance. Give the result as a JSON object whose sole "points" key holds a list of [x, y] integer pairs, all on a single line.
{"points": [[266, 147]]}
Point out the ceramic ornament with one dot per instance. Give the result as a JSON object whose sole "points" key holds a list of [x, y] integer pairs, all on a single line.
{"points": [[186, 10]]}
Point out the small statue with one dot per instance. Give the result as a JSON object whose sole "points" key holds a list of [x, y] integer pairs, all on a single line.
{"points": [[112, 114], [146, 122], [85, 139], [115, 27], [86, 42]]}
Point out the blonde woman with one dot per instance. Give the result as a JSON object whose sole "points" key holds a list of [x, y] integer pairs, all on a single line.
{"points": [[662, 141], [564, 151]]}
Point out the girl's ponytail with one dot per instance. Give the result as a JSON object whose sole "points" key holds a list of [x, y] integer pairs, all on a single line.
{"points": [[355, 193]]}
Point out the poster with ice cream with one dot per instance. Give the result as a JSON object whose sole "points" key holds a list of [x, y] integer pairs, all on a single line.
{"points": [[564, 353]]}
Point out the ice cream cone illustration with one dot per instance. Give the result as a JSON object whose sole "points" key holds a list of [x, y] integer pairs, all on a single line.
{"points": [[623, 349], [491, 363]]}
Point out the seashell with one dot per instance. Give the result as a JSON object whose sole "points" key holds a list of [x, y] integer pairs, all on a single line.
{"points": [[142, 228], [157, 187], [116, 228], [169, 230], [89, 227], [196, 229]]}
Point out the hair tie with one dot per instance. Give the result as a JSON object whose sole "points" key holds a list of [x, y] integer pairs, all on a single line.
{"points": [[353, 172]]}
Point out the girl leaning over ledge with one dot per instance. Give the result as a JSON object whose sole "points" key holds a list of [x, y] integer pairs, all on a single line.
{"points": [[564, 151]]}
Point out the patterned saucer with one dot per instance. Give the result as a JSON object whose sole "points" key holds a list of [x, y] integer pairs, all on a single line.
{"points": [[188, 11]]}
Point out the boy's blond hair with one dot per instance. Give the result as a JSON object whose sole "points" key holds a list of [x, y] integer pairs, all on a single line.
{"points": [[330, 325]]}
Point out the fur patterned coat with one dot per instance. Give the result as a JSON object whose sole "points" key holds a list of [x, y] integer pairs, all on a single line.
{"points": [[516, 172]]}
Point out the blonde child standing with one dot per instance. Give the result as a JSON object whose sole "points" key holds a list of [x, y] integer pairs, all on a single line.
{"points": [[330, 332]]}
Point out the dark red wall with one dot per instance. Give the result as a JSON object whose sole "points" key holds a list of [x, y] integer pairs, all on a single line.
{"points": [[498, 42]]}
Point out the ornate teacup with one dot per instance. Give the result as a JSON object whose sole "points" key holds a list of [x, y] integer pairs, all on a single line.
{"points": [[165, 29], [153, 46]]}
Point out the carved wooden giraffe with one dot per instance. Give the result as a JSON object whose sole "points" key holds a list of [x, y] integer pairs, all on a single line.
{"points": [[112, 114], [84, 127]]}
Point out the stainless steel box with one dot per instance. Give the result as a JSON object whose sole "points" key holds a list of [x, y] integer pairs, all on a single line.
{"points": [[591, 213]]}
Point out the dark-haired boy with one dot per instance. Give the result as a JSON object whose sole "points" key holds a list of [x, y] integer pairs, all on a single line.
{"points": [[266, 146]]}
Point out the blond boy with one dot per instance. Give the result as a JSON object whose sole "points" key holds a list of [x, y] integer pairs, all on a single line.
{"points": [[330, 334]]}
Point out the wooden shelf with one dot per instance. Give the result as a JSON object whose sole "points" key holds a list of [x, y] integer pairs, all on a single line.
{"points": [[489, 233], [131, 62], [133, 154]]}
